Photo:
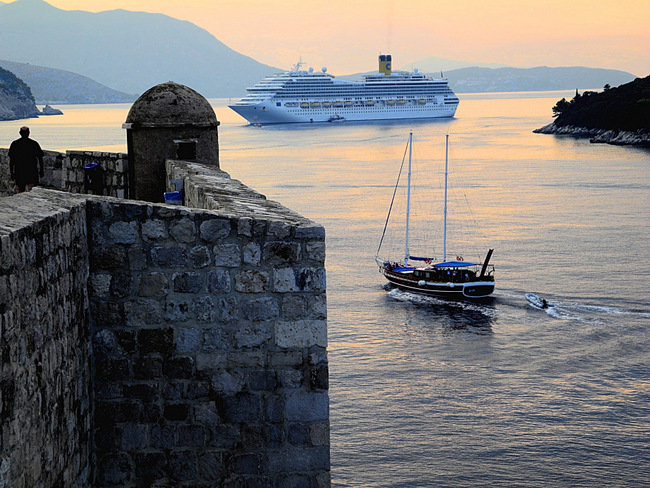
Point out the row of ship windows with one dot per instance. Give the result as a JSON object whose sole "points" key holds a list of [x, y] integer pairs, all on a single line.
{"points": [[364, 103], [361, 91], [358, 110]]}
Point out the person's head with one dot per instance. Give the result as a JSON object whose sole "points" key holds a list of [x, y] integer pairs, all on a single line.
{"points": [[24, 131]]}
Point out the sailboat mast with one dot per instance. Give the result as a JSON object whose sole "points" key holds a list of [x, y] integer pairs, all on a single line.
{"points": [[444, 225], [408, 202]]}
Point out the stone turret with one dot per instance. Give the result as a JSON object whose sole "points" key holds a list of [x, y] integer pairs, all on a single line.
{"points": [[168, 121]]}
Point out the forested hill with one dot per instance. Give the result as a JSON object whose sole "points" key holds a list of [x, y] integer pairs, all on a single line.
{"points": [[16, 100], [626, 108]]}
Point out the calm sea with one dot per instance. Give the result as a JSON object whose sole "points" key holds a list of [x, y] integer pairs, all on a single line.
{"points": [[426, 393]]}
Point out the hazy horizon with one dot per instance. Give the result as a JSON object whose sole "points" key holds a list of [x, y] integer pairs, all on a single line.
{"points": [[347, 36]]}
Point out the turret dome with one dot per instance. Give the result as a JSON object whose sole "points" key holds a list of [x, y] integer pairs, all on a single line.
{"points": [[171, 105]]}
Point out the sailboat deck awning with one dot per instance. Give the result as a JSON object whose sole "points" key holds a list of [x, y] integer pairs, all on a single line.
{"points": [[454, 264]]}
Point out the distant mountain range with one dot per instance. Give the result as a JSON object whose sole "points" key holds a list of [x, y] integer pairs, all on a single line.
{"points": [[543, 78], [133, 51], [54, 86], [127, 51], [435, 64]]}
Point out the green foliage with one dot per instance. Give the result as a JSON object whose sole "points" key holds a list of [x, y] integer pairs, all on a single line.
{"points": [[626, 107], [11, 84]]}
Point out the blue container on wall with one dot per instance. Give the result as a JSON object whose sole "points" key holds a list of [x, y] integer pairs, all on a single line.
{"points": [[174, 198]]}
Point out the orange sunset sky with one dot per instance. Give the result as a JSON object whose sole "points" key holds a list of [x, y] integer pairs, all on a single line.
{"points": [[347, 35]]}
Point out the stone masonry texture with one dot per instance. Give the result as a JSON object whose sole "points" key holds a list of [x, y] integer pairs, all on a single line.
{"points": [[153, 345], [45, 377]]}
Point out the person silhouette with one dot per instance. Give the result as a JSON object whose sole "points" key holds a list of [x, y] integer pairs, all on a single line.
{"points": [[24, 156]]}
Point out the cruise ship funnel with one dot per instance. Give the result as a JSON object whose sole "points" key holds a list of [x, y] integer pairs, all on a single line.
{"points": [[385, 61]]}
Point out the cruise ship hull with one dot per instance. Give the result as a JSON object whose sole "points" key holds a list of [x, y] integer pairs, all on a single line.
{"points": [[269, 113]]}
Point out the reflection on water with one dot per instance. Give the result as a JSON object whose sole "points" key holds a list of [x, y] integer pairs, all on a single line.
{"points": [[475, 318]]}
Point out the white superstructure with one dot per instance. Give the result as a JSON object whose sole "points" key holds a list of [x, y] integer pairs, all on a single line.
{"points": [[309, 96]]}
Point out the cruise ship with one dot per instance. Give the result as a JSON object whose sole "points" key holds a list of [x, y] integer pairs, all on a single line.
{"points": [[312, 96]]}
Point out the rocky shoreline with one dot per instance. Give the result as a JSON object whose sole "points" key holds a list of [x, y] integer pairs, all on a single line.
{"points": [[640, 137]]}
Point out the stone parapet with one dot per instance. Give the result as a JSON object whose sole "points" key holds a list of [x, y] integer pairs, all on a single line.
{"points": [[209, 344], [45, 376], [65, 171]]}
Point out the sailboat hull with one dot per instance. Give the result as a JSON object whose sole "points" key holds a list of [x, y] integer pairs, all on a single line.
{"points": [[468, 290]]}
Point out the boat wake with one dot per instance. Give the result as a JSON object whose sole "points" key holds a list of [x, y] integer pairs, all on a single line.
{"points": [[568, 310]]}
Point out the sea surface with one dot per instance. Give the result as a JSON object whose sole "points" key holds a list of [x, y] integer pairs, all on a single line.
{"points": [[429, 393]]}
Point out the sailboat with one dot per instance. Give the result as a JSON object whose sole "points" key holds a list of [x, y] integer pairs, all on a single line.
{"points": [[454, 279]]}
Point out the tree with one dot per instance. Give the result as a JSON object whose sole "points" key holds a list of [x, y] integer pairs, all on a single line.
{"points": [[560, 107]]}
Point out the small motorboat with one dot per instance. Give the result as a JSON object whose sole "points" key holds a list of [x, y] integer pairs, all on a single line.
{"points": [[537, 301], [336, 118]]}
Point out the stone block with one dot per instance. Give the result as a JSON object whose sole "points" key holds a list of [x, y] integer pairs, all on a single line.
{"points": [[206, 413], [311, 279], [216, 339], [182, 465], [176, 412], [150, 466], [263, 380], [153, 285], [115, 412], [229, 381], [204, 309], [279, 230], [123, 232], [178, 310], [227, 255], [188, 340], [279, 253], [199, 257], [301, 333], [146, 392], [247, 463], [319, 434], [245, 226], [319, 378], [198, 390], [115, 470], [260, 309], [156, 341], [133, 437], [148, 368], [181, 367], [214, 230], [192, 435], [218, 281], [143, 312], [310, 231], [187, 282], [169, 257], [137, 259], [211, 466], [251, 281], [242, 407], [154, 230], [108, 258], [252, 335], [284, 280], [99, 284], [307, 407], [252, 254], [183, 230], [315, 251]]}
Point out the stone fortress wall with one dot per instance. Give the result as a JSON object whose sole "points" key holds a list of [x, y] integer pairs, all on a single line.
{"points": [[146, 344], [65, 171]]}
